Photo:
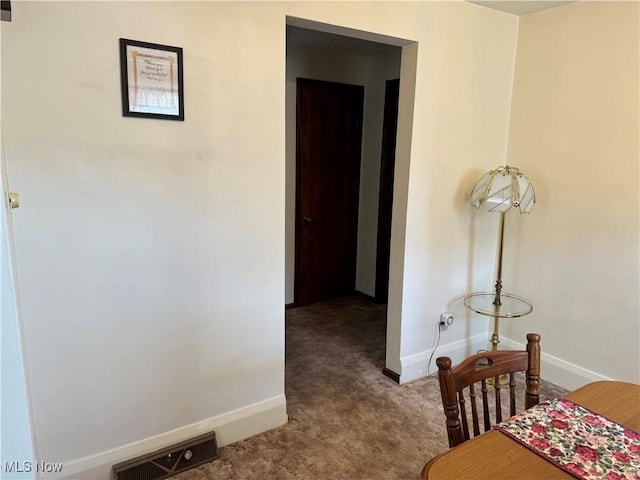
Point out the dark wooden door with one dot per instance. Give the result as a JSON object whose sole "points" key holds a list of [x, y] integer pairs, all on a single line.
{"points": [[329, 139], [385, 203]]}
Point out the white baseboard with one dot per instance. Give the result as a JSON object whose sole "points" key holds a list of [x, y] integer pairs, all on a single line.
{"points": [[415, 366], [560, 372], [553, 369], [229, 427]]}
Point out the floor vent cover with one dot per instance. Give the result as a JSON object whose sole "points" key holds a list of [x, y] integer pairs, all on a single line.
{"points": [[169, 461]]}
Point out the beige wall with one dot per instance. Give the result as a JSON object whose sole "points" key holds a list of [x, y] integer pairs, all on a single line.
{"points": [[457, 121], [139, 241], [575, 133], [151, 254]]}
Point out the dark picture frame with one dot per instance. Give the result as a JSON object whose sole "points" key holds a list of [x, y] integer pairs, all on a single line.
{"points": [[5, 10], [151, 80]]}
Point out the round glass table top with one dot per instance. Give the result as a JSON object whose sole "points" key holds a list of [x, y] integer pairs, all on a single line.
{"points": [[511, 305]]}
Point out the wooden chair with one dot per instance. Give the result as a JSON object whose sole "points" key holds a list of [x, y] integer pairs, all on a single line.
{"points": [[480, 368]]}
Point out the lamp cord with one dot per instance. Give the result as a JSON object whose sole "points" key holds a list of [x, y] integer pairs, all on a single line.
{"points": [[434, 351]]}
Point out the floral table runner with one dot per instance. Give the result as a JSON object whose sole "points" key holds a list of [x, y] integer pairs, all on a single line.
{"points": [[584, 443]]}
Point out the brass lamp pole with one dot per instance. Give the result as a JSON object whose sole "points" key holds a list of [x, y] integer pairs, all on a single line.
{"points": [[497, 301]]}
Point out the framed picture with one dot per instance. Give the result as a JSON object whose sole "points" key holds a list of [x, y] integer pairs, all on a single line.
{"points": [[152, 82]]}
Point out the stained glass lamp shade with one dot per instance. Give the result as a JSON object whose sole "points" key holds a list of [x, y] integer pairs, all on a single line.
{"points": [[503, 188]]}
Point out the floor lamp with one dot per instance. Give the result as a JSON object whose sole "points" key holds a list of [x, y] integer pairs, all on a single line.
{"points": [[499, 191]]}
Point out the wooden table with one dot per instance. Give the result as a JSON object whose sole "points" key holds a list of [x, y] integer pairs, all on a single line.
{"points": [[493, 455]]}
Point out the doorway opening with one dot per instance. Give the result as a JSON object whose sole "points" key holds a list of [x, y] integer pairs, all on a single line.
{"points": [[322, 54]]}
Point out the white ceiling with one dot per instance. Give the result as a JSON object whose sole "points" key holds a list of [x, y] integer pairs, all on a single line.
{"points": [[520, 7]]}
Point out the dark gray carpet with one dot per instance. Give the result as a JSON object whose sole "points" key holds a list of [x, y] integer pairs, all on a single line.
{"points": [[346, 420]]}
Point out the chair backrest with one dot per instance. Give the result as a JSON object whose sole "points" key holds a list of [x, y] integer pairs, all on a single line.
{"points": [[483, 369]]}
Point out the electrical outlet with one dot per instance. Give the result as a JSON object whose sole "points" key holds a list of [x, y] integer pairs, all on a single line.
{"points": [[446, 319]]}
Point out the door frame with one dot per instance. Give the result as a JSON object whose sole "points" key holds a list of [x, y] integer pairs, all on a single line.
{"points": [[385, 192]]}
